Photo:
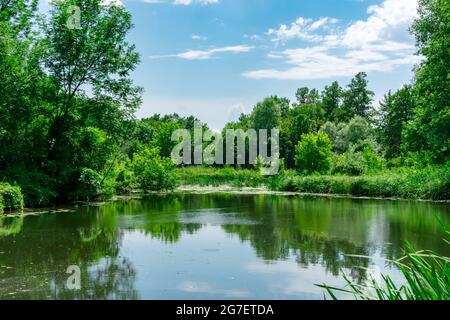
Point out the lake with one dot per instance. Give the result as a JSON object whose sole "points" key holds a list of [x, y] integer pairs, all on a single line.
{"points": [[210, 246]]}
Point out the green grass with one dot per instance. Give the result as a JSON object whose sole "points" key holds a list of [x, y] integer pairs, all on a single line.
{"points": [[426, 276], [426, 184], [206, 176]]}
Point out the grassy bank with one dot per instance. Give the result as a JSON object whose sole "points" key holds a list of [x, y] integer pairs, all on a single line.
{"points": [[206, 176], [426, 184]]}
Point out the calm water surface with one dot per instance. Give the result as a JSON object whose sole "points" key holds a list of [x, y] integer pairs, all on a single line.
{"points": [[218, 246]]}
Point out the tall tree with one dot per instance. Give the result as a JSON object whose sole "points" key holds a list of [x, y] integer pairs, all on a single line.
{"points": [[332, 100], [92, 57], [299, 121], [305, 96], [357, 99], [267, 114], [430, 129], [396, 110], [21, 81]]}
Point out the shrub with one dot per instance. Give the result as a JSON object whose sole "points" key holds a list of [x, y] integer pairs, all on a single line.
{"points": [[357, 134], [152, 172], [11, 197], [331, 130], [350, 163], [373, 161], [124, 182], [313, 153], [432, 183], [89, 185], [38, 189]]}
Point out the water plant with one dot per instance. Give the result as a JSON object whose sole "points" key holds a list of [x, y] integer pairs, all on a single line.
{"points": [[426, 276]]}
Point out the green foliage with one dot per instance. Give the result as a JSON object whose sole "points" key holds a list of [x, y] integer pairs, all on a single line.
{"points": [[357, 99], [350, 163], [429, 131], [395, 111], [426, 276], [357, 163], [298, 121], [124, 181], [374, 162], [313, 153], [67, 126], [224, 176], [355, 134], [50, 127], [305, 96], [332, 100], [163, 138], [89, 185], [152, 172], [11, 197], [267, 114], [431, 183]]}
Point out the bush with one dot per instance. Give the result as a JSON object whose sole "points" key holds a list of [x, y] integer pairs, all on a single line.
{"points": [[124, 182], [89, 184], [350, 163], [373, 161], [355, 133], [11, 197], [430, 184], [152, 172], [313, 153], [38, 188]]}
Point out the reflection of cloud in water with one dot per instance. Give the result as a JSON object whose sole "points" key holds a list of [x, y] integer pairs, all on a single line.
{"points": [[203, 287], [292, 280]]}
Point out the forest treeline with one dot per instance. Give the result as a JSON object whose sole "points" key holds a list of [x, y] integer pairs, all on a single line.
{"points": [[68, 129]]}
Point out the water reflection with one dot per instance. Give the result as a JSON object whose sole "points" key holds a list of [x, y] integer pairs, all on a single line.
{"points": [[193, 246]]}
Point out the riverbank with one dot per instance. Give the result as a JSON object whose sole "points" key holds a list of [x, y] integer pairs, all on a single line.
{"points": [[411, 184], [263, 190], [431, 184]]}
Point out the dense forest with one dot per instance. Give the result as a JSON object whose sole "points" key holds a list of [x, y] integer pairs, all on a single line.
{"points": [[68, 129]]}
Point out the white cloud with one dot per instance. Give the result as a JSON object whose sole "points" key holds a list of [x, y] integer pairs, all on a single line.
{"points": [[302, 28], [206, 54], [379, 43], [199, 37]]}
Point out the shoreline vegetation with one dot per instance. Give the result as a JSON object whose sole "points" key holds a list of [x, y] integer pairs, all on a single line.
{"points": [[426, 184], [430, 184]]}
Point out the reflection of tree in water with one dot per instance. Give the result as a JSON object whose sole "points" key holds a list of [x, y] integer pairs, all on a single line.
{"points": [[158, 217], [316, 231], [308, 249], [113, 278], [10, 225], [34, 261], [35, 251], [326, 231]]}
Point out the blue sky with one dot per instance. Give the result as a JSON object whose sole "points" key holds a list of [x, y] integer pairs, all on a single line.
{"points": [[217, 58]]}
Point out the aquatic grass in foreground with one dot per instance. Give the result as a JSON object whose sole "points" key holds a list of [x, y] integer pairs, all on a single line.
{"points": [[426, 275]]}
